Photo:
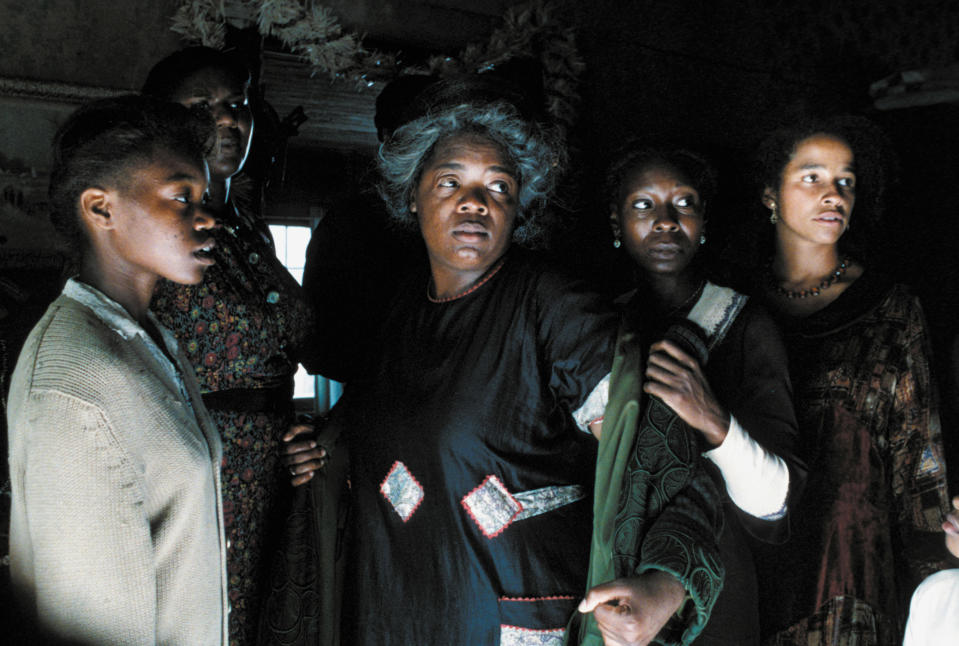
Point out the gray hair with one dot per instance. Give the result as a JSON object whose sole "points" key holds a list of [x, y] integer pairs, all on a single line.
{"points": [[527, 147]]}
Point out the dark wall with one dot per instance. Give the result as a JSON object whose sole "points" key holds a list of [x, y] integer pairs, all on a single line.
{"points": [[106, 44]]}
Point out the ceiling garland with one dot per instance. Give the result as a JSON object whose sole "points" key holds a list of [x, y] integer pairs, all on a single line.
{"points": [[311, 31]]}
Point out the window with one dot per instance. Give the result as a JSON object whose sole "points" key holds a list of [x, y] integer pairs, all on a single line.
{"points": [[291, 242], [317, 394]]}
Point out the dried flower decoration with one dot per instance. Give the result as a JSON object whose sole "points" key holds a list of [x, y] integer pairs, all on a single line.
{"points": [[311, 30]]}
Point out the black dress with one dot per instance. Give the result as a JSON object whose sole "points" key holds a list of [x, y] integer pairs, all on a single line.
{"points": [[748, 373], [471, 483]]}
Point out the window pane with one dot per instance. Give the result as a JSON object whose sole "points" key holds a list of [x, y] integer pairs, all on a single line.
{"points": [[291, 241], [279, 237], [303, 387], [297, 238]]}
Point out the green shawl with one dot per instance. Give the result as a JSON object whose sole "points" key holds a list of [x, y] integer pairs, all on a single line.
{"points": [[655, 506]]}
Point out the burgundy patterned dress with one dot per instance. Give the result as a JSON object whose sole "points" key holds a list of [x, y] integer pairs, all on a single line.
{"points": [[243, 329], [867, 530]]}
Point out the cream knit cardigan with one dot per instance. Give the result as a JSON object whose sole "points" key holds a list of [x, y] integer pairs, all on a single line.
{"points": [[116, 533]]}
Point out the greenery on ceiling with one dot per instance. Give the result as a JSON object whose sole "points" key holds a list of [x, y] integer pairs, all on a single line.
{"points": [[532, 30]]}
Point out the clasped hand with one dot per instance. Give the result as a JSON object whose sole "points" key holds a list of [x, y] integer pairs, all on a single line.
{"points": [[678, 380], [301, 454], [631, 611]]}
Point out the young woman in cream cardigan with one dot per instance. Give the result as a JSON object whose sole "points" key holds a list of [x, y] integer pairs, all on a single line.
{"points": [[117, 527]]}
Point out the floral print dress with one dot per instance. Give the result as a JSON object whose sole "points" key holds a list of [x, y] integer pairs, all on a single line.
{"points": [[243, 329]]}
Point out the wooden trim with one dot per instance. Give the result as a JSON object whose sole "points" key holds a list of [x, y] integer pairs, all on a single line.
{"points": [[54, 91]]}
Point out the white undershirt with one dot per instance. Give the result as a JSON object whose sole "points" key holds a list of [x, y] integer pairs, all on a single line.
{"points": [[757, 480]]}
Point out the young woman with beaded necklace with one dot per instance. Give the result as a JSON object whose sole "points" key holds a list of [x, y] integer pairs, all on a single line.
{"points": [[866, 405]]}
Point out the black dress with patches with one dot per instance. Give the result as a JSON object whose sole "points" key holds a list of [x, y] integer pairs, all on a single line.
{"points": [[471, 483]]}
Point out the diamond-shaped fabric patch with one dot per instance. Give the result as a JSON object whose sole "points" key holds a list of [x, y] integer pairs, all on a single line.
{"points": [[402, 490], [491, 506]]}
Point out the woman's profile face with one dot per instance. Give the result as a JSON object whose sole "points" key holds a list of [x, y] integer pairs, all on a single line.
{"points": [[817, 192], [160, 226], [465, 202], [661, 218], [225, 97]]}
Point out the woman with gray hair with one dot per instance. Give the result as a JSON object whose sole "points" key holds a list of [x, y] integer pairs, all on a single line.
{"points": [[471, 455], [471, 470]]}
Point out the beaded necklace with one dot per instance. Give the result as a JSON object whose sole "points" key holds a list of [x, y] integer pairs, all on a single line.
{"points": [[469, 291], [812, 291]]}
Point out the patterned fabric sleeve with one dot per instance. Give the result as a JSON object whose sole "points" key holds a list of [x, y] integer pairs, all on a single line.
{"points": [[683, 542], [637, 475], [670, 516], [917, 465]]}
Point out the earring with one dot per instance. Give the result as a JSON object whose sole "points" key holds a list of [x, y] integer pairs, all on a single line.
{"points": [[617, 243], [702, 239], [773, 215]]}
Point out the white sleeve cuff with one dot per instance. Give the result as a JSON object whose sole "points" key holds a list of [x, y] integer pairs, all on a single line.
{"points": [[757, 480], [595, 405]]}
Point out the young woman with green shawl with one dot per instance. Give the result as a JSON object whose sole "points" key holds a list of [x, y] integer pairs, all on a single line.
{"points": [[669, 523]]}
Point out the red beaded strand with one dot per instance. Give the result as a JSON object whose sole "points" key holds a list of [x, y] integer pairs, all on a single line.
{"points": [[468, 291]]}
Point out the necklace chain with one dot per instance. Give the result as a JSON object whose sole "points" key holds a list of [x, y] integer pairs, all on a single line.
{"points": [[692, 298], [812, 291]]}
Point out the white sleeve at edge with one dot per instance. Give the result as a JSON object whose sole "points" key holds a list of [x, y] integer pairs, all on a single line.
{"points": [[594, 406], [757, 480]]}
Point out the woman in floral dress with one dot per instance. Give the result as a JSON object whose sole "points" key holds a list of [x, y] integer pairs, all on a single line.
{"points": [[242, 328]]}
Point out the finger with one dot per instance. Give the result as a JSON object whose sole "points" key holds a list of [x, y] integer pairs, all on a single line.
{"points": [[604, 593], [624, 625], [302, 479], [664, 377], [295, 430], [306, 467], [666, 362], [298, 447], [955, 503], [304, 456], [658, 390], [612, 615], [611, 637], [674, 351], [616, 623]]}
